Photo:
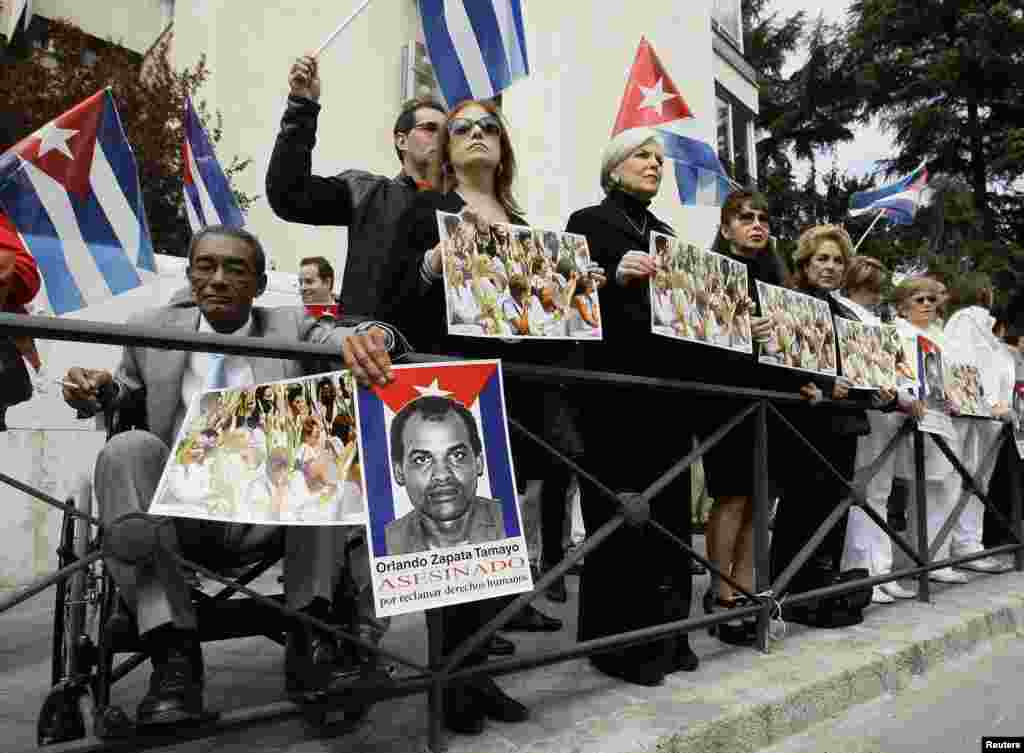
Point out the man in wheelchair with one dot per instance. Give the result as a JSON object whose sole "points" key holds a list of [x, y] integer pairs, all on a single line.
{"points": [[226, 273]]}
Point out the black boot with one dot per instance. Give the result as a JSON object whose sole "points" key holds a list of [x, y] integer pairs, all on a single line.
{"points": [[176, 685]]}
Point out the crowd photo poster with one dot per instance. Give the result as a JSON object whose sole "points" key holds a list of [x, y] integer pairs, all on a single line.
{"points": [[699, 296], [282, 453], [444, 520]]}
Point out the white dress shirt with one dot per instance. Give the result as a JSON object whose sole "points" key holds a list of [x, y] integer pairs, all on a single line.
{"points": [[237, 370]]}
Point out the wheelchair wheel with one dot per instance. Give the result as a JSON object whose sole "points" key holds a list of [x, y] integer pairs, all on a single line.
{"points": [[69, 704]]}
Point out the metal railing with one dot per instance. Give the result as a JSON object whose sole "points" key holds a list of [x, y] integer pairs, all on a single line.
{"points": [[761, 406]]}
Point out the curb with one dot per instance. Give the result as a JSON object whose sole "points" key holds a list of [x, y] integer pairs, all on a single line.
{"points": [[910, 647]]}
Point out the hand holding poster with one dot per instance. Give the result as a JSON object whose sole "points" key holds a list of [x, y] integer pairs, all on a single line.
{"points": [[279, 453], [802, 337], [445, 526], [699, 296], [517, 282]]}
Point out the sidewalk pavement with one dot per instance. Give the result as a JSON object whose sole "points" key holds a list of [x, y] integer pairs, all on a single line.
{"points": [[738, 700]]}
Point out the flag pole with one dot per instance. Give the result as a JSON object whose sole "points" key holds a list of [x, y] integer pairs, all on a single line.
{"points": [[341, 28], [877, 218]]}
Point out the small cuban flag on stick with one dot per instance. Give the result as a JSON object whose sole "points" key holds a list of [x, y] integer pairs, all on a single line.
{"points": [[652, 100], [897, 202], [209, 199], [477, 47], [72, 191]]}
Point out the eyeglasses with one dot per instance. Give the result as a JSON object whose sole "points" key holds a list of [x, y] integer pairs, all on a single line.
{"points": [[489, 124], [749, 218], [922, 299]]}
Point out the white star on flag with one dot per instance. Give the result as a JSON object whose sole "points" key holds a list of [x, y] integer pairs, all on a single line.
{"points": [[52, 136], [434, 390], [655, 95]]}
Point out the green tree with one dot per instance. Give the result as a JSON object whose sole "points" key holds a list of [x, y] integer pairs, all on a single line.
{"points": [[946, 78], [37, 85]]}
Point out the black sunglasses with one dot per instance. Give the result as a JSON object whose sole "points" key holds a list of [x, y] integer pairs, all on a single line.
{"points": [[925, 299], [489, 124]]}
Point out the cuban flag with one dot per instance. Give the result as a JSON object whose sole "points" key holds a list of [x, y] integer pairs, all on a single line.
{"points": [[652, 100], [72, 191], [899, 201], [209, 199], [477, 385], [477, 47]]}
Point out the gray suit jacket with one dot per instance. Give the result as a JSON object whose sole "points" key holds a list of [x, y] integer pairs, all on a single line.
{"points": [[160, 371], [405, 535]]}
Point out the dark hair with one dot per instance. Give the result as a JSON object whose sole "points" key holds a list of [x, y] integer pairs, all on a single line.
{"points": [[734, 204], [295, 391], [506, 170], [224, 231], [323, 267], [309, 425], [406, 119], [432, 408], [323, 381], [517, 285]]}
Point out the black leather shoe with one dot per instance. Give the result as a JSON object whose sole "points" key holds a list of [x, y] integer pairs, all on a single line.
{"points": [[461, 712], [557, 592], [495, 703], [684, 660], [532, 620], [313, 664], [499, 646], [175, 693], [637, 673]]}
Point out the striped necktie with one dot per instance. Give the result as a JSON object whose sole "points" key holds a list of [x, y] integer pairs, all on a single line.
{"points": [[217, 377]]}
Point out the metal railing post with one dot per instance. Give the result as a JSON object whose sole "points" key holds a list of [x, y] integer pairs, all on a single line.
{"points": [[1016, 467], [920, 499], [435, 696], [762, 561]]}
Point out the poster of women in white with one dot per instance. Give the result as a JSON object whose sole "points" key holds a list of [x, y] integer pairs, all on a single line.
{"points": [[281, 453], [867, 353], [803, 337], [517, 282], [444, 519], [699, 296]]}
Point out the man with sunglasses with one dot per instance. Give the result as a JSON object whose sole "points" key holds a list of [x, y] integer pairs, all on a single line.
{"points": [[368, 205]]}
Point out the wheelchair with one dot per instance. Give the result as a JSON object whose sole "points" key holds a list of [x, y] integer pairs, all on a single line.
{"points": [[92, 625]]}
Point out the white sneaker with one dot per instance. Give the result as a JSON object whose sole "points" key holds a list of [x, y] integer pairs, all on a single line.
{"points": [[947, 575], [878, 596], [897, 591], [984, 565]]}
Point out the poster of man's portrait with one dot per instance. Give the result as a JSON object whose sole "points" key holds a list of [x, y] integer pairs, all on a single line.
{"points": [[445, 525]]}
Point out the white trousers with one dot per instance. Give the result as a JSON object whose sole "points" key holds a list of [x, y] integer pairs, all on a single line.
{"points": [[866, 544], [967, 533]]}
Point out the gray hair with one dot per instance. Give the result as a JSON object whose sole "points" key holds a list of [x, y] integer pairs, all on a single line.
{"points": [[619, 149]]}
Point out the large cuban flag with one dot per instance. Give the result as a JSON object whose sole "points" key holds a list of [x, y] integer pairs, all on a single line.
{"points": [[477, 47], [652, 100], [209, 199], [72, 191], [475, 384], [899, 201]]}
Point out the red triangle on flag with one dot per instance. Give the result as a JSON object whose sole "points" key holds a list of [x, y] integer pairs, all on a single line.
{"points": [[461, 382], [63, 148], [651, 98]]}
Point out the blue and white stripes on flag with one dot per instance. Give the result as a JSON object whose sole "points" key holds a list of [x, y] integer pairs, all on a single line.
{"points": [[477, 47], [72, 191], [900, 200], [701, 179], [209, 199]]}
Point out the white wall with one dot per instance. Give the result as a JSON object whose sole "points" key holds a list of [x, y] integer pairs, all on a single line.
{"points": [[135, 24]]}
